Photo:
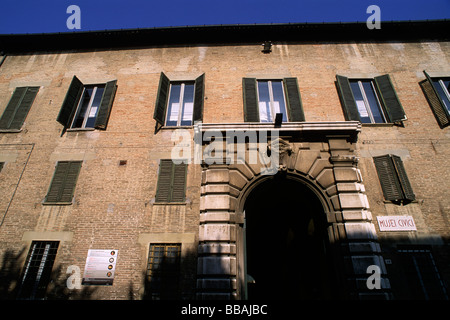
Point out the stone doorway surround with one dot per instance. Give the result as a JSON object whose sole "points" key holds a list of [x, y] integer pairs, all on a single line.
{"points": [[318, 154]]}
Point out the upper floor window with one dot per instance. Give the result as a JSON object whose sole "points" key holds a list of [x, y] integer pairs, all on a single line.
{"points": [[367, 101], [271, 100], [17, 109], [370, 100], [437, 92], [264, 99], [179, 103], [87, 106]]}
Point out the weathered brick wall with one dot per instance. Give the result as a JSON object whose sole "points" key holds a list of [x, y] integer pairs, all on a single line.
{"points": [[113, 204]]}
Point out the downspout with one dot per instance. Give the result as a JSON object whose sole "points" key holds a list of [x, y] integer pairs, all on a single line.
{"points": [[18, 182]]}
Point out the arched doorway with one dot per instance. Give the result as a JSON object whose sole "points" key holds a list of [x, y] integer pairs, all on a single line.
{"points": [[286, 248]]}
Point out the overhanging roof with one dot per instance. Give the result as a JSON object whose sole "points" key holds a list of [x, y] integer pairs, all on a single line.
{"points": [[226, 34]]}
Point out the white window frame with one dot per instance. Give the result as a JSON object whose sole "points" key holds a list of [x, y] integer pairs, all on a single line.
{"points": [[181, 102], [366, 101], [271, 101], [88, 111]]}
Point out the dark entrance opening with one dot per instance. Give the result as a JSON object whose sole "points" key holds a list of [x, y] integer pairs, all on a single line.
{"points": [[287, 247]]}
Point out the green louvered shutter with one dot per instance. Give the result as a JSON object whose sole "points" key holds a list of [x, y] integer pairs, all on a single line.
{"points": [[171, 182], [199, 98], [388, 178], [251, 110], [161, 99], [403, 178], [434, 100], [64, 181], [179, 182], [105, 105], [347, 99], [164, 187], [18, 106], [294, 101], [390, 99], [70, 103]]}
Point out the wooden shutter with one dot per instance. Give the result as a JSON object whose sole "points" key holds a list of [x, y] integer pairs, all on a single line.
{"points": [[388, 178], [293, 99], [70, 103], [179, 182], [18, 106], [163, 190], [390, 99], [171, 182], [199, 98], [435, 102], [251, 110], [408, 193], [105, 105], [64, 181], [347, 99], [161, 99]]}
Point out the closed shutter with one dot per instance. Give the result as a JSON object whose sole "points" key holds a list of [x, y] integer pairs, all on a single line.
{"points": [[63, 182], [294, 101], [347, 99], [199, 98], [251, 110], [179, 182], [388, 178], [390, 99], [105, 105], [402, 176], [171, 182], [161, 99], [18, 106], [70, 103], [435, 102]]}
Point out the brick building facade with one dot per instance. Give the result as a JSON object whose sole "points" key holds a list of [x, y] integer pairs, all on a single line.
{"points": [[355, 121]]}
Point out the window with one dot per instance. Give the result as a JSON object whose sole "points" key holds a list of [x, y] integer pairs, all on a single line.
{"points": [[437, 92], [179, 103], [163, 271], [37, 270], [393, 179], [370, 100], [63, 183], [263, 99], [87, 106], [17, 109], [423, 280], [171, 182]]}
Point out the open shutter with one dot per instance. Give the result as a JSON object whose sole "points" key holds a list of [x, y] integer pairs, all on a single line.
{"points": [[199, 98], [347, 99], [64, 181], [163, 190], [388, 178], [18, 106], [179, 182], [105, 105], [70, 102], [435, 102], [161, 100], [294, 101], [391, 102], [402, 176], [251, 110]]}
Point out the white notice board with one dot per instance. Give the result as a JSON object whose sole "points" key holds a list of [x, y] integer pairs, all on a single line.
{"points": [[100, 267]]}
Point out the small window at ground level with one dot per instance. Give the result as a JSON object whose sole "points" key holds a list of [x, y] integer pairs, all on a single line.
{"points": [[37, 269], [163, 271]]}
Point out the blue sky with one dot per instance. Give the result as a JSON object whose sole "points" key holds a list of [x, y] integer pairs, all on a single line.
{"points": [[42, 16]]}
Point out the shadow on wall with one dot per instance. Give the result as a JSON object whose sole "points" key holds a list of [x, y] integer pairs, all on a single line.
{"points": [[51, 287]]}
